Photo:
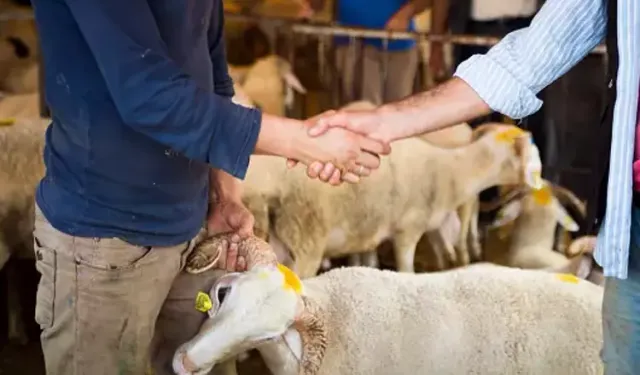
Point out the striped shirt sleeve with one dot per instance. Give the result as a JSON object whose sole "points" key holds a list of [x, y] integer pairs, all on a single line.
{"points": [[515, 70]]}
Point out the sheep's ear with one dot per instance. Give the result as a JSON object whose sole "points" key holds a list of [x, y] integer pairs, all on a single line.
{"points": [[563, 217], [508, 213], [293, 81]]}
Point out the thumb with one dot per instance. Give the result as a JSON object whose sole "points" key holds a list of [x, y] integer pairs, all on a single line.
{"points": [[323, 124], [246, 226], [242, 223]]}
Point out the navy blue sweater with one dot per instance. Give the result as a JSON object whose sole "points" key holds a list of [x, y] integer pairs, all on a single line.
{"points": [[139, 94]]}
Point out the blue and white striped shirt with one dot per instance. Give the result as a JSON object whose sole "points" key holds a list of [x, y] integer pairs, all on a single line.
{"points": [[510, 75]]}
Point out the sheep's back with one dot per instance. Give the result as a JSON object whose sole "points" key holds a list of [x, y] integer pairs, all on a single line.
{"points": [[456, 322]]}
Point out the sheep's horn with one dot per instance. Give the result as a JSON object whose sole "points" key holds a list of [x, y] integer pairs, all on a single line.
{"points": [[501, 200], [566, 197], [208, 252]]}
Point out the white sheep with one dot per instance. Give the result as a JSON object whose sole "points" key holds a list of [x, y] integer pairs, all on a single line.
{"points": [[358, 320], [459, 227], [530, 242], [412, 192], [268, 84], [21, 168], [25, 106]]}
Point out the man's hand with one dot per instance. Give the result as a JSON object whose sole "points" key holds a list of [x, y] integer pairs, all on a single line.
{"points": [[368, 123], [230, 217], [327, 172], [399, 22], [305, 11]]}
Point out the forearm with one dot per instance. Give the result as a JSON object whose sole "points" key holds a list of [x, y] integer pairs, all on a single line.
{"points": [[508, 78], [280, 137], [413, 7], [439, 16], [445, 105], [224, 186]]}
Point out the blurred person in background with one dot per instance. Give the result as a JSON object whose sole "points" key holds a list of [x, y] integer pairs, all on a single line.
{"points": [[145, 147], [507, 79], [364, 73]]}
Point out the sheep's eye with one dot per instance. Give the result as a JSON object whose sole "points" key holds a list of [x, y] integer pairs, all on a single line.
{"points": [[222, 293]]}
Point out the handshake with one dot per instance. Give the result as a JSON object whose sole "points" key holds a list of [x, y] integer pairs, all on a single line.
{"points": [[342, 145]]}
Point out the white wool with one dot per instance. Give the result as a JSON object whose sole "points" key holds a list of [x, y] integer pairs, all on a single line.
{"points": [[477, 320]]}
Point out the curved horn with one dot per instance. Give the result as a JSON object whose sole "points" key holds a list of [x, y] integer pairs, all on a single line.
{"points": [[502, 200], [210, 252], [567, 197]]}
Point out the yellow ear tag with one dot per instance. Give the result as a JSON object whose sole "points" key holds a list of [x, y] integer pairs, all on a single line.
{"points": [[568, 278], [291, 280], [510, 134], [7, 121], [542, 196], [203, 302]]}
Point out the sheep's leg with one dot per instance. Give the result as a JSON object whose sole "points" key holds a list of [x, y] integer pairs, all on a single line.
{"points": [[16, 329], [16, 332], [473, 240], [354, 260], [461, 248], [405, 250], [440, 246], [370, 259], [367, 259], [326, 264]]}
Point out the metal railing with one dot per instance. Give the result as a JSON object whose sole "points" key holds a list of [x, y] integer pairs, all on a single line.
{"points": [[333, 29]]}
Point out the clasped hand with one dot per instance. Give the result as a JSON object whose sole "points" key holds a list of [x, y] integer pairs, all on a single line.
{"points": [[344, 146]]}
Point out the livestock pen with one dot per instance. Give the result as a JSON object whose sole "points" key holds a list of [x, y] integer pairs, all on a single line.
{"points": [[569, 131]]}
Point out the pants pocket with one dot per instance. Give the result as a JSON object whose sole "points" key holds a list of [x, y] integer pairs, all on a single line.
{"points": [[45, 296]]}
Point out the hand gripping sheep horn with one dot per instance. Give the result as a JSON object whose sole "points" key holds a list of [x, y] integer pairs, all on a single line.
{"points": [[209, 251]]}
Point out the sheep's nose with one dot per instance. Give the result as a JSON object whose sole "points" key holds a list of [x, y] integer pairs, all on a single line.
{"points": [[182, 365]]}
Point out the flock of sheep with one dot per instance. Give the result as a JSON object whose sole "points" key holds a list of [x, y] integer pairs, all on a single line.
{"points": [[502, 310]]}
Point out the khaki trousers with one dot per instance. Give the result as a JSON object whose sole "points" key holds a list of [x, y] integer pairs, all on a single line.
{"points": [[108, 307], [368, 70]]}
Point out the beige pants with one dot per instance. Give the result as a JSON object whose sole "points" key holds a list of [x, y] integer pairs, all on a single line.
{"points": [[376, 85], [109, 307]]}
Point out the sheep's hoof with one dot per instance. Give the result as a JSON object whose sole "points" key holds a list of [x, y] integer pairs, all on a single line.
{"points": [[204, 257]]}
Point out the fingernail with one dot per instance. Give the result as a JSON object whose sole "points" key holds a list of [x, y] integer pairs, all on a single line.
{"points": [[235, 238], [317, 168]]}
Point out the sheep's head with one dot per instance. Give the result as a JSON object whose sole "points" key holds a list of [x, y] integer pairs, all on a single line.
{"points": [[536, 200], [270, 83], [246, 310], [521, 164]]}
